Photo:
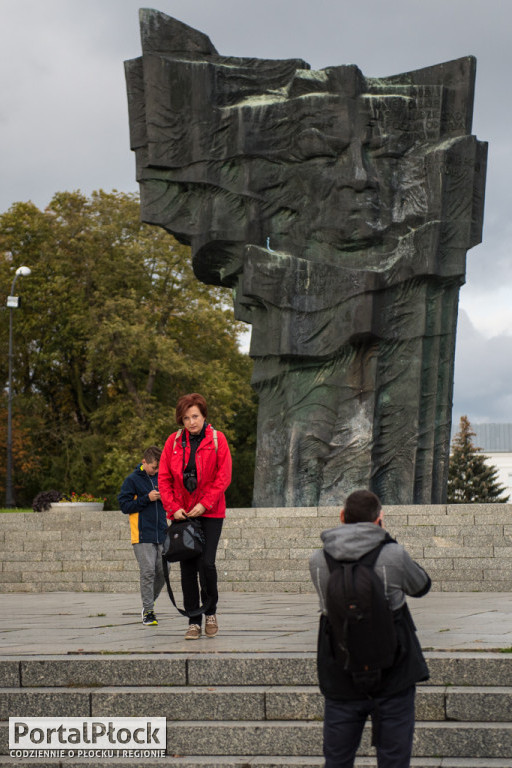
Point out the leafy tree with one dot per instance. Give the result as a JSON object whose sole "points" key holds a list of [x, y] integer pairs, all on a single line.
{"points": [[113, 328], [470, 478]]}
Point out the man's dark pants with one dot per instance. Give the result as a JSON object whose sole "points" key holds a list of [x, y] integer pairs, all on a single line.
{"points": [[344, 722]]}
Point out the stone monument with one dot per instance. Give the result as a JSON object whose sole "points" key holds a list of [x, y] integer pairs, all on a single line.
{"points": [[339, 209]]}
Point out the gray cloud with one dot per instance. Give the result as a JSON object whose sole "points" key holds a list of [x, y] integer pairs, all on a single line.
{"points": [[483, 372]]}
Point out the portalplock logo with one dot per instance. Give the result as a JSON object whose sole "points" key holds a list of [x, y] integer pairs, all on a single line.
{"points": [[118, 734]]}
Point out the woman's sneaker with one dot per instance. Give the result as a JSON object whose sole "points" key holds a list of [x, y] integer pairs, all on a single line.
{"points": [[193, 632], [149, 618], [211, 627]]}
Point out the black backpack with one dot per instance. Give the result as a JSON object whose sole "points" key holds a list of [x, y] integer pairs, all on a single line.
{"points": [[362, 622]]}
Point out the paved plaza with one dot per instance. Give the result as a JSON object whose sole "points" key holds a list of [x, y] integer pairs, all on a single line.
{"points": [[68, 622]]}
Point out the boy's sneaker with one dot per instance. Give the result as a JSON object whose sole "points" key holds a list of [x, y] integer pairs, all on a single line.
{"points": [[193, 632], [149, 618], [211, 627]]}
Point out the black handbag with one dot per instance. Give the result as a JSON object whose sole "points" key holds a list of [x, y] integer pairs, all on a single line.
{"points": [[184, 540]]}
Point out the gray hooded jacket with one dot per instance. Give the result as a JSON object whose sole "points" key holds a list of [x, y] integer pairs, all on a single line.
{"points": [[400, 574]]}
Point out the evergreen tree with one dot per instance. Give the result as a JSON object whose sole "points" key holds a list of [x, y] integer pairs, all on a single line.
{"points": [[471, 480]]}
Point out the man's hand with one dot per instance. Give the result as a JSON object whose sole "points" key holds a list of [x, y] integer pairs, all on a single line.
{"points": [[180, 514]]}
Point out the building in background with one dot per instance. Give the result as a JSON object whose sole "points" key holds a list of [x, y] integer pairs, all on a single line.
{"points": [[495, 440]]}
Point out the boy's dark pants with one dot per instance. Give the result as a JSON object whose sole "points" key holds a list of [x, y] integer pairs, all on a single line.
{"points": [[344, 722]]}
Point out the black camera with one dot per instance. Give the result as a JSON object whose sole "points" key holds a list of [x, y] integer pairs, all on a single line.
{"points": [[190, 480]]}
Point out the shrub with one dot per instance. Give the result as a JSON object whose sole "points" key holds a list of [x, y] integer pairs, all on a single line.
{"points": [[45, 499]]}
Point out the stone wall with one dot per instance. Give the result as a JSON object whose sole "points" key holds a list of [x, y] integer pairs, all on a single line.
{"points": [[465, 548]]}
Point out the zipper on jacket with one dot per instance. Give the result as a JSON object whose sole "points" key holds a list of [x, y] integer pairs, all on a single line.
{"points": [[155, 503], [199, 465]]}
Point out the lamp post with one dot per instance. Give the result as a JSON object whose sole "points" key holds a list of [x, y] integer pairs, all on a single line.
{"points": [[12, 302]]}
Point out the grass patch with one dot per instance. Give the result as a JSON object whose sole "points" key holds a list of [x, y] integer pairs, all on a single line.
{"points": [[15, 509]]}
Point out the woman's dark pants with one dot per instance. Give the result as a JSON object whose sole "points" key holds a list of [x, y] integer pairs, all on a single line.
{"points": [[212, 528]]}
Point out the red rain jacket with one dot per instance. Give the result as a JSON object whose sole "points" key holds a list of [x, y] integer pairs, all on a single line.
{"points": [[213, 474]]}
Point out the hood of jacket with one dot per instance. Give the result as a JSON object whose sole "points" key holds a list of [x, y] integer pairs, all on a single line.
{"points": [[353, 540]]}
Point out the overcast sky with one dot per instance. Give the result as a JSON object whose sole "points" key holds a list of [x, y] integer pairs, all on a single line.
{"points": [[64, 123]]}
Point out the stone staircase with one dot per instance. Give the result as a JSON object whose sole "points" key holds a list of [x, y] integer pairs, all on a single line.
{"points": [[255, 710], [464, 548]]}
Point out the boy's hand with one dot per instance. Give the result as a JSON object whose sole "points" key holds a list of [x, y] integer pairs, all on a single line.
{"points": [[154, 495]]}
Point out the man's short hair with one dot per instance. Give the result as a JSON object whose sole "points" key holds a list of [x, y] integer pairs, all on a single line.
{"points": [[362, 507], [152, 455]]}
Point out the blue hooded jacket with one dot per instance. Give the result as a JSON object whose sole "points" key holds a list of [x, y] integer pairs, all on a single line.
{"points": [[148, 523]]}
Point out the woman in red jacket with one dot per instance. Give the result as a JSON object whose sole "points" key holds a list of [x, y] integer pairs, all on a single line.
{"points": [[194, 473]]}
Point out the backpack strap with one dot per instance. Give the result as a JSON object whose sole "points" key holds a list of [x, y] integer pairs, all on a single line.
{"points": [[370, 557], [215, 439], [178, 433], [331, 562]]}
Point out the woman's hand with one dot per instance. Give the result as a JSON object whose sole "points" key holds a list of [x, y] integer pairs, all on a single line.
{"points": [[180, 514], [196, 511]]}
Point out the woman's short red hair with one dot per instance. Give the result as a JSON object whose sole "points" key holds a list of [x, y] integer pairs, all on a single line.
{"points": [[186, 402]]}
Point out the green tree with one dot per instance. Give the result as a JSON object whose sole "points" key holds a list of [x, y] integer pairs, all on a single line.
{"points": [[114, 327], [470, 478]]}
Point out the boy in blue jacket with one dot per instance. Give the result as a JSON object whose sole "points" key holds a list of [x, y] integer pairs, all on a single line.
{"points": [[140, 498]]}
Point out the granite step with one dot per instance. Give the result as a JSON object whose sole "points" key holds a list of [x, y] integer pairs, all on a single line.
{"points": [[450, 739], [304, 703], [96, 670], [464, 547], [250, 761], [256, 710], [304, 739]]}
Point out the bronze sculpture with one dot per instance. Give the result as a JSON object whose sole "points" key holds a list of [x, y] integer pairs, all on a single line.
{"points": [[339, 209]]}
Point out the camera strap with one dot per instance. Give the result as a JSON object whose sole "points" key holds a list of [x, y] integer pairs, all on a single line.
{"points": [[184, 447], [194, 442]]}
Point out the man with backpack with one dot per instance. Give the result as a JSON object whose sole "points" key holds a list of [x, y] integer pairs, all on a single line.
{"points": [[369, 658]]}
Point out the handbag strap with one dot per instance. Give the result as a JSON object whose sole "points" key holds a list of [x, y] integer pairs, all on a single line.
{"points": [[196, 611]]}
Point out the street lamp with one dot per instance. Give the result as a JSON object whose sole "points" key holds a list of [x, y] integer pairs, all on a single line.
{"points": [[12, 302]]}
